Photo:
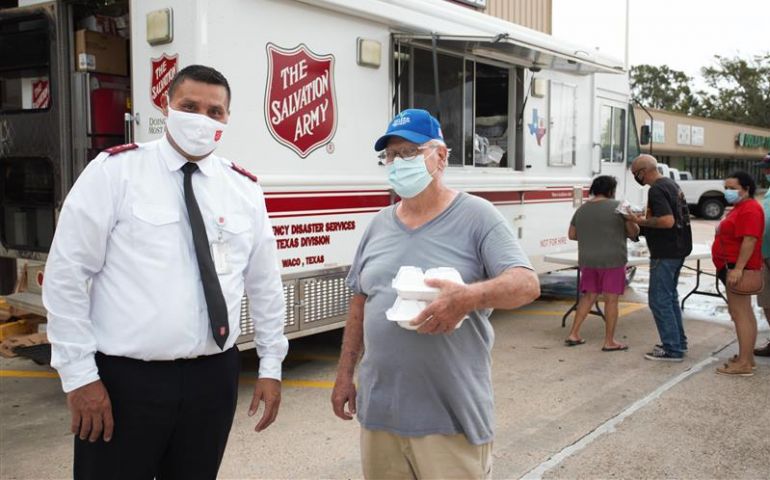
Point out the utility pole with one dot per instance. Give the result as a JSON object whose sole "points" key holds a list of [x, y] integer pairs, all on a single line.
{"points": [[628, 16]]}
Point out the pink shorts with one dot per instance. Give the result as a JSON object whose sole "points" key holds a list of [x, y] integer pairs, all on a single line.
{"points": [[603, 280]]}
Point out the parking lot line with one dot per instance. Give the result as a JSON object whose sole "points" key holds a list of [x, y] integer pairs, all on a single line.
{"points": [[625, 309], [28, 374], [322, 384], [611, 424]]}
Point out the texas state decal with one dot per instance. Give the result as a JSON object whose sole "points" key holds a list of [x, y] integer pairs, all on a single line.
{"points": [[300, 104]]}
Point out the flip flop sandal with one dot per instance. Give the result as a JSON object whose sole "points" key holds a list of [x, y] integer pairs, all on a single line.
{"points": [[571, 343], [732, 370], [621, 348], [734, 359]]}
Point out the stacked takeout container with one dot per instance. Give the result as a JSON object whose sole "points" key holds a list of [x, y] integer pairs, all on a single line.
{"points": [[414, 295]]}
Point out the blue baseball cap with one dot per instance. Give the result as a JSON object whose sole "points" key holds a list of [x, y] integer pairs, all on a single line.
{"points": [[414, 125]]}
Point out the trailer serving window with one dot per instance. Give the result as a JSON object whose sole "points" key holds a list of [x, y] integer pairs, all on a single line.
{"points": [[475, 102], [24, 64], [612, 122]]}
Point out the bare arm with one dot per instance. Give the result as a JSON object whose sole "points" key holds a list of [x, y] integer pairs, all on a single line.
{"points": [[632, 230], [572, 233], [513, 288], [747, 248], [666, 221], [352, 348]]}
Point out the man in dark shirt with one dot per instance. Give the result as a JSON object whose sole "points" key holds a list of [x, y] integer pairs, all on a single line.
{"points": [[666, 226]]}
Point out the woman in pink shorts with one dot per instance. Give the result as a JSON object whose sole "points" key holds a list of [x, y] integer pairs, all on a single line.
{"points": [[601, 234]]}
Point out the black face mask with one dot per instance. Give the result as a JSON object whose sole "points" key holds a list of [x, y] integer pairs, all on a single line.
{"points": [[639, 179]]}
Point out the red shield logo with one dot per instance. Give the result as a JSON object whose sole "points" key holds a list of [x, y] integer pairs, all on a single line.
{"points": [[163, 71], [300, 104]]}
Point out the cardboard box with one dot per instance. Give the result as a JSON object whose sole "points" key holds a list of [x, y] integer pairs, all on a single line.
{"points": [[19, 327], [9, 344], [101, 53]]}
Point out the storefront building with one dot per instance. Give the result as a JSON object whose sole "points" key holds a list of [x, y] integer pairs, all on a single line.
{"points": [[534, 14], [709, 149]]}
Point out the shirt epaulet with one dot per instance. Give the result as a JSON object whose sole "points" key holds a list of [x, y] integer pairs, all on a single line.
{"points": [[120, 148], [244, 172]]}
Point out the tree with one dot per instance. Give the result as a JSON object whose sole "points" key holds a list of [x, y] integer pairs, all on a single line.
{"points": [[739, 90], [663, 88]]}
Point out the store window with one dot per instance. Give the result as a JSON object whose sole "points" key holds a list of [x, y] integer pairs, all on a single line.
{"points": [[24, 64]]}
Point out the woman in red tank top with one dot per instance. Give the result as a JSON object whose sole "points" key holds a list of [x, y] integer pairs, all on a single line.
{"points": [[738, 247]]}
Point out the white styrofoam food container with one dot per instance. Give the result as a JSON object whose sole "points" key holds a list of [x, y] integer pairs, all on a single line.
{"points": [[404, 311], [410, 282]]}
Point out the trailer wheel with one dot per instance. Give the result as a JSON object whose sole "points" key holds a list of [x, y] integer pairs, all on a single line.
{"points": [[711, 208]]}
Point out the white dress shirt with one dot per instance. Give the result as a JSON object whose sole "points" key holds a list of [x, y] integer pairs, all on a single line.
{"points": [[122, 276]]}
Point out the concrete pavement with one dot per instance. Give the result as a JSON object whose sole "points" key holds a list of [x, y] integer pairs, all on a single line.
{"points": [[559, 409]]}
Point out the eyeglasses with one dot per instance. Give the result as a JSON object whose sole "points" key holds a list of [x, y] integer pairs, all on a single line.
{"points": [[635, 173], [407, 153]]}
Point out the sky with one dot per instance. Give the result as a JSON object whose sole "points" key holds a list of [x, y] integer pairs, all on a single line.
{"points": [[683, 34]]}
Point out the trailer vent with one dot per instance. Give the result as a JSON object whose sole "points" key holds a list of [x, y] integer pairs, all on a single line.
{"points": [[290, 322], [324, 299]]}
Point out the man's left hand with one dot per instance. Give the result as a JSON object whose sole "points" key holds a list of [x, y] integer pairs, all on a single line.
{"points": [[446, 311], [267, 390]]}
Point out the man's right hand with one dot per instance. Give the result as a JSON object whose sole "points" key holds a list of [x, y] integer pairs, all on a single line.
{"points": [[344, 392], [91, 412]]}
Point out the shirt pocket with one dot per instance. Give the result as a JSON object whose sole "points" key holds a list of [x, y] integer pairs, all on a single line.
{"points": [[155, 230], [237, 234]]}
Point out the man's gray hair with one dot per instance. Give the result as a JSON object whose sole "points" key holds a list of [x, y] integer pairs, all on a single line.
{"points": [[438, 143]]}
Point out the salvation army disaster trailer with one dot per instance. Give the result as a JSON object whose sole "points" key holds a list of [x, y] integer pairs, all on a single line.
{"points": [[529, 119]]}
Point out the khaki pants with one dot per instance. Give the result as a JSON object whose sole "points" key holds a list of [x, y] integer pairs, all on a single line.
{"points": [[385, 455]]}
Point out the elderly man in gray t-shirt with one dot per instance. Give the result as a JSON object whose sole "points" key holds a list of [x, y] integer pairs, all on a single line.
{"points": [[424, 397]]}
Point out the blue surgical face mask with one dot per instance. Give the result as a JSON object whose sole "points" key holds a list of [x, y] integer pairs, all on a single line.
{"points": [[767, 177], [732, 196], [409, 177]]}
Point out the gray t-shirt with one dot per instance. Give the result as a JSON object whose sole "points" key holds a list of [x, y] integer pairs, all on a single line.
{"points": [[601, 233], [413, 384]]}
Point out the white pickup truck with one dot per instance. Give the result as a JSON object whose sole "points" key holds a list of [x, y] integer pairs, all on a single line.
{"points": [[705, 198]]}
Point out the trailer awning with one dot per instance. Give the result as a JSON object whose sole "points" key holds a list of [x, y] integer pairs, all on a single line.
{"points": [[504, 48]]}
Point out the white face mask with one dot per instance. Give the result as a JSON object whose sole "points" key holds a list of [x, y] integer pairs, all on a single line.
{"points": [[197, 135]]}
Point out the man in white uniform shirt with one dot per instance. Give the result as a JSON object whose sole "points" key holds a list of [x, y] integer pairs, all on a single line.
{"points": [[154, 248]]}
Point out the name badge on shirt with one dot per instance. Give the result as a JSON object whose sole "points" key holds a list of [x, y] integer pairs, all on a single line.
{"points": [[219, 255]]}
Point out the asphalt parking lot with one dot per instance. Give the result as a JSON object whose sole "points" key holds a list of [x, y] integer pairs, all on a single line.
{"points": [[561, 412]]}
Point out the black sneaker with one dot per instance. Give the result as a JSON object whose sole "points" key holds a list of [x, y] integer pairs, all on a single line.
{"points": [[660, 355], [764, 351], [660, 347]]}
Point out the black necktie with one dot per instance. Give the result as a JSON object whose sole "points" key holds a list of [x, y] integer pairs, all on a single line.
{"points": [[212, 290]]}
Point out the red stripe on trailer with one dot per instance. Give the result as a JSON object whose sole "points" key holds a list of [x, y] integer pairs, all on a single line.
{"points": [[295, 204], [330, 212], [284, 204], [327, 192]]}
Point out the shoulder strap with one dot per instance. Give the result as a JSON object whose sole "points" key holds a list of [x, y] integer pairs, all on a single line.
{"points": [[244, 172], [121, 148]]}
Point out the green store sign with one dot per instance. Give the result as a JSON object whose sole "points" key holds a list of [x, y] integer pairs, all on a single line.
{"points": [[748, 140]]}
